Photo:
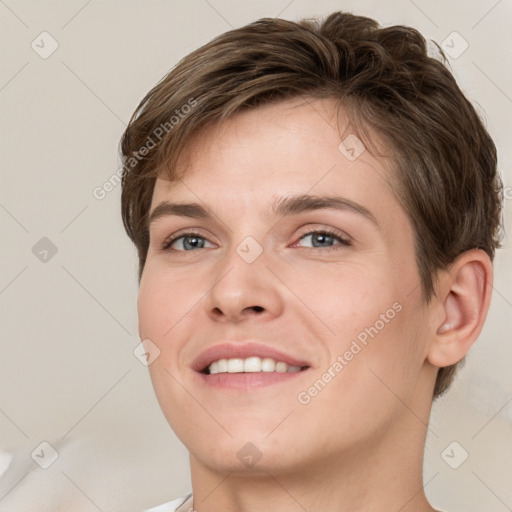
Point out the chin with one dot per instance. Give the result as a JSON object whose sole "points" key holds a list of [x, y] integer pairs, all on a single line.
{"points": [[244, 459]]}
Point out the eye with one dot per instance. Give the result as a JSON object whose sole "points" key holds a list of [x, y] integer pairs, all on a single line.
{"points": [[325, 238], [187, 241]]}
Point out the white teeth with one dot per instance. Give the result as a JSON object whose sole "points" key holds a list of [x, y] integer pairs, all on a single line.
{"points": [[251, 364], [235, 365], [268, 365], [281, 367]]}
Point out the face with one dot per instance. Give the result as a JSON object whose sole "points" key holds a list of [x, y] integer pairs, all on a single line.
{"points": [[310, 310]]}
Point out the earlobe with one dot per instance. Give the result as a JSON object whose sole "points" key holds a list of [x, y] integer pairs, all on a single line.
{"points": [[464, 295]]}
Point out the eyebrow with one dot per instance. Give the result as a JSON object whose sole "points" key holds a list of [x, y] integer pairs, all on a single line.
{"points": [[289, 205]]}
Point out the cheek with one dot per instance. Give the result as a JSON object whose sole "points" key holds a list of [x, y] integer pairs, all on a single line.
{"points": [[363, 389], [373, 328], [152, 304], [348, 297], [160, 307], [384, 358], [162, 302]]}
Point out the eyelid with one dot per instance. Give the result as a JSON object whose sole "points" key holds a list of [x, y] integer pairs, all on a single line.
{"points": [[344, 240], [343, 237], [318, 228], [169, 240]]}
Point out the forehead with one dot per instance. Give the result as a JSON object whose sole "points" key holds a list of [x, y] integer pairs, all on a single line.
{"points": [[323, 122], [295, 146]]}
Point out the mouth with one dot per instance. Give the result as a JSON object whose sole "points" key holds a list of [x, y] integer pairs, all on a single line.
{"points": [[246, 366], [252, 364]]}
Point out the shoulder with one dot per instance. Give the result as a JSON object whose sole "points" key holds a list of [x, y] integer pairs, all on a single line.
{"points": [[170, 506]]}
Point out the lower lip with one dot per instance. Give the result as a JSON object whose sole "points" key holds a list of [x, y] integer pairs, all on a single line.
{"points": [[247, 381]]}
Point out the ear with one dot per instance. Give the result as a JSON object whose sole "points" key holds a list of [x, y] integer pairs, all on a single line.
{"points": [[463, 299]]}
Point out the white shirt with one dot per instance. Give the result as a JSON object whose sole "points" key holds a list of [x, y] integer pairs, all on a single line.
{"points": [[170, 506]]}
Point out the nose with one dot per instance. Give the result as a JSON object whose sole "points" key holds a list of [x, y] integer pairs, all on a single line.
{"points": [[241, 291]]}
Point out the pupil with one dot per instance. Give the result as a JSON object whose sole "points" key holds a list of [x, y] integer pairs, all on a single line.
{"points": [[192, 241], [321, 238]]}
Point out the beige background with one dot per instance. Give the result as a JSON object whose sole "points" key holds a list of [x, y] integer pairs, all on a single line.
{"points": [[68, 375]]}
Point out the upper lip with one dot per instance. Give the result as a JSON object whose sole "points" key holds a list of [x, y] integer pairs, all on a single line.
{"points": [[243, 351]]}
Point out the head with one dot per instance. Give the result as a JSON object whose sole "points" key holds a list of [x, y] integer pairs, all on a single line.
{"points": [[341, 108]]}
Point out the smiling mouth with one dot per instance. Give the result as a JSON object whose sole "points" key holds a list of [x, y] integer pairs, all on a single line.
{"points": [[251, 364]]}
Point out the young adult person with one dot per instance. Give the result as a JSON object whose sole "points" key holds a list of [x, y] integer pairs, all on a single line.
{"points": [[316, 207]]}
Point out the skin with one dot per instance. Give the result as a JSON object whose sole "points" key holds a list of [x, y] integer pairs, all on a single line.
{"points": [[358, 444]]}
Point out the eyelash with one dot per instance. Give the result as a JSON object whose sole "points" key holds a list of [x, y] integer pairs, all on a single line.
{"points": [[343, 241]]}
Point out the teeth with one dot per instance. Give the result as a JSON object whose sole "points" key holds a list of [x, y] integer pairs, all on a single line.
{"points": [[235, 365], [281, 367], [251, 365], [268, 365]]}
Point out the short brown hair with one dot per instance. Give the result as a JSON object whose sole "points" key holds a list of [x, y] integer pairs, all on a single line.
{"points": [[446, 162]]}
